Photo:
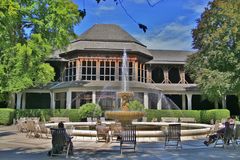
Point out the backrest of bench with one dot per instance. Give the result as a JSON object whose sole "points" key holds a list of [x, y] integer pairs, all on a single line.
{"points": [[187, 119], [59, 119], [169, 119]]}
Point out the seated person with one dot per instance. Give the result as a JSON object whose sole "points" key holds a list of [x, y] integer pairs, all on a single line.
{"points": [[67, 137], [231, 121], [212, 138]]}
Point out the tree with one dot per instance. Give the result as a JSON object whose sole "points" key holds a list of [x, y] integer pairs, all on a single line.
{"points": [[29, 32], [216, 65]]}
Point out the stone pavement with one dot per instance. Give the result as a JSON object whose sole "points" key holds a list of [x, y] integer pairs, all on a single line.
{"points": [[16, 146]]}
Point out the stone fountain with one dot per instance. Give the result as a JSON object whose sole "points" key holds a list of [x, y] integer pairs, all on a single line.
{"points": [[124, 115]]}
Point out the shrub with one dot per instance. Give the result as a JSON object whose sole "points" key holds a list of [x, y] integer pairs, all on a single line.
{"points": [[135, 106], [45, 114], [153, 113], [89, 110], [6, 116], [215, 114]]}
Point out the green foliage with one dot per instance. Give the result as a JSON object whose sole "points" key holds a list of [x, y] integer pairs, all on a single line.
{"points": [[29, 32], [135, 106], [215, 67], [202, 116], [6, 116], [45, 114], [89, 110], [215, 114], [152, 113]]}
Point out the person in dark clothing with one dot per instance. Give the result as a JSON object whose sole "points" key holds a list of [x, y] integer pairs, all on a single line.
{"points": [[67, 138], [212, 138]]}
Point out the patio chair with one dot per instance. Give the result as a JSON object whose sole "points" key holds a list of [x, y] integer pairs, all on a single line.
{"points": [[59, 144], [31, 129], [128, 136], [102, 133], [43, 130], [172, 135], [226, 138], [115, 131]]}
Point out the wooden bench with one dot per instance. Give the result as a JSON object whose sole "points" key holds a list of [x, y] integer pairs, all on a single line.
{"points": [[187, 120], [58, 119], [169, 119]]}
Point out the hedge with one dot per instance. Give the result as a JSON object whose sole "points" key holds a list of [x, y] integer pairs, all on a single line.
{"points": [[153, 113], [215, 114], [6, 116], [45, 114], [75, 115], [202, 116]]}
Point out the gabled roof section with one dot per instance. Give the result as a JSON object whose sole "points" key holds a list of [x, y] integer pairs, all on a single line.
{"points": [[169, 56], [108, 38], [107, 33]]}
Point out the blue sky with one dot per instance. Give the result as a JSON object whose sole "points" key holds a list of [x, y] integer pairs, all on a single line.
{"points": [[169, 22]]}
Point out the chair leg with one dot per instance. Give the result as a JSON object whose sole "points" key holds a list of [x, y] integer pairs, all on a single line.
{"points": [[68, 147]]}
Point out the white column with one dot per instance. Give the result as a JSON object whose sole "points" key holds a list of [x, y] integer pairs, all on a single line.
{"points": [[52, 95], [94, 97], [69, 100], [224, 102], [146, 100], [159, 104], [19, 97], [183, 102], [24, 101], [189, 99]]}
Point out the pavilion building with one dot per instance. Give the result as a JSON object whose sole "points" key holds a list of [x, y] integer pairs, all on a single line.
{"points": [[89, 70]]}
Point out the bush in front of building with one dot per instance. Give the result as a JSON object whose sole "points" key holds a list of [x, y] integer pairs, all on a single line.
{"points": [[6, 116], [45, 114], [201, 116], [153, 113], [71, 113], [89, 110], [135, 106], [214, 114]]}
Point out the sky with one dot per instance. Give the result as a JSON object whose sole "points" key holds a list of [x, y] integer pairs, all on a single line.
{"points": [[169, 22]]}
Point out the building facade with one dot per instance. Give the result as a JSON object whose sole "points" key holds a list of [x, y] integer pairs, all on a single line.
{"points": [[89, 70]]}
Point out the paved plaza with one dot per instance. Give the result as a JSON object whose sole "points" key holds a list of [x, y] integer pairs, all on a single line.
{"points": [[14, 145]]}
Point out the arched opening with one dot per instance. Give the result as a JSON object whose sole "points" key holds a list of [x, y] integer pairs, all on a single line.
{"points": [[157, 75], [174, 76]]}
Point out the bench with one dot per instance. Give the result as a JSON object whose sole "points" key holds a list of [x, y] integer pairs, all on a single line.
{"points": [[187, 120], [169, 119], [58, 119]]}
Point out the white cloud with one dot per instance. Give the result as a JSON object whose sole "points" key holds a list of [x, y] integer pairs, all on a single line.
{"points": [[144, 1], [196, 6], [106, 8], [173, 36]]}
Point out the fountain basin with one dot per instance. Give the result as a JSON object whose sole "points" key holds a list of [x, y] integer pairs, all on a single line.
{"points": [[124, 115]]}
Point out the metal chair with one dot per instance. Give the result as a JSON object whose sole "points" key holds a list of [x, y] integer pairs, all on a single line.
{"points": [[173, 135], [59, 143], [128, 136], [226, 138]]}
